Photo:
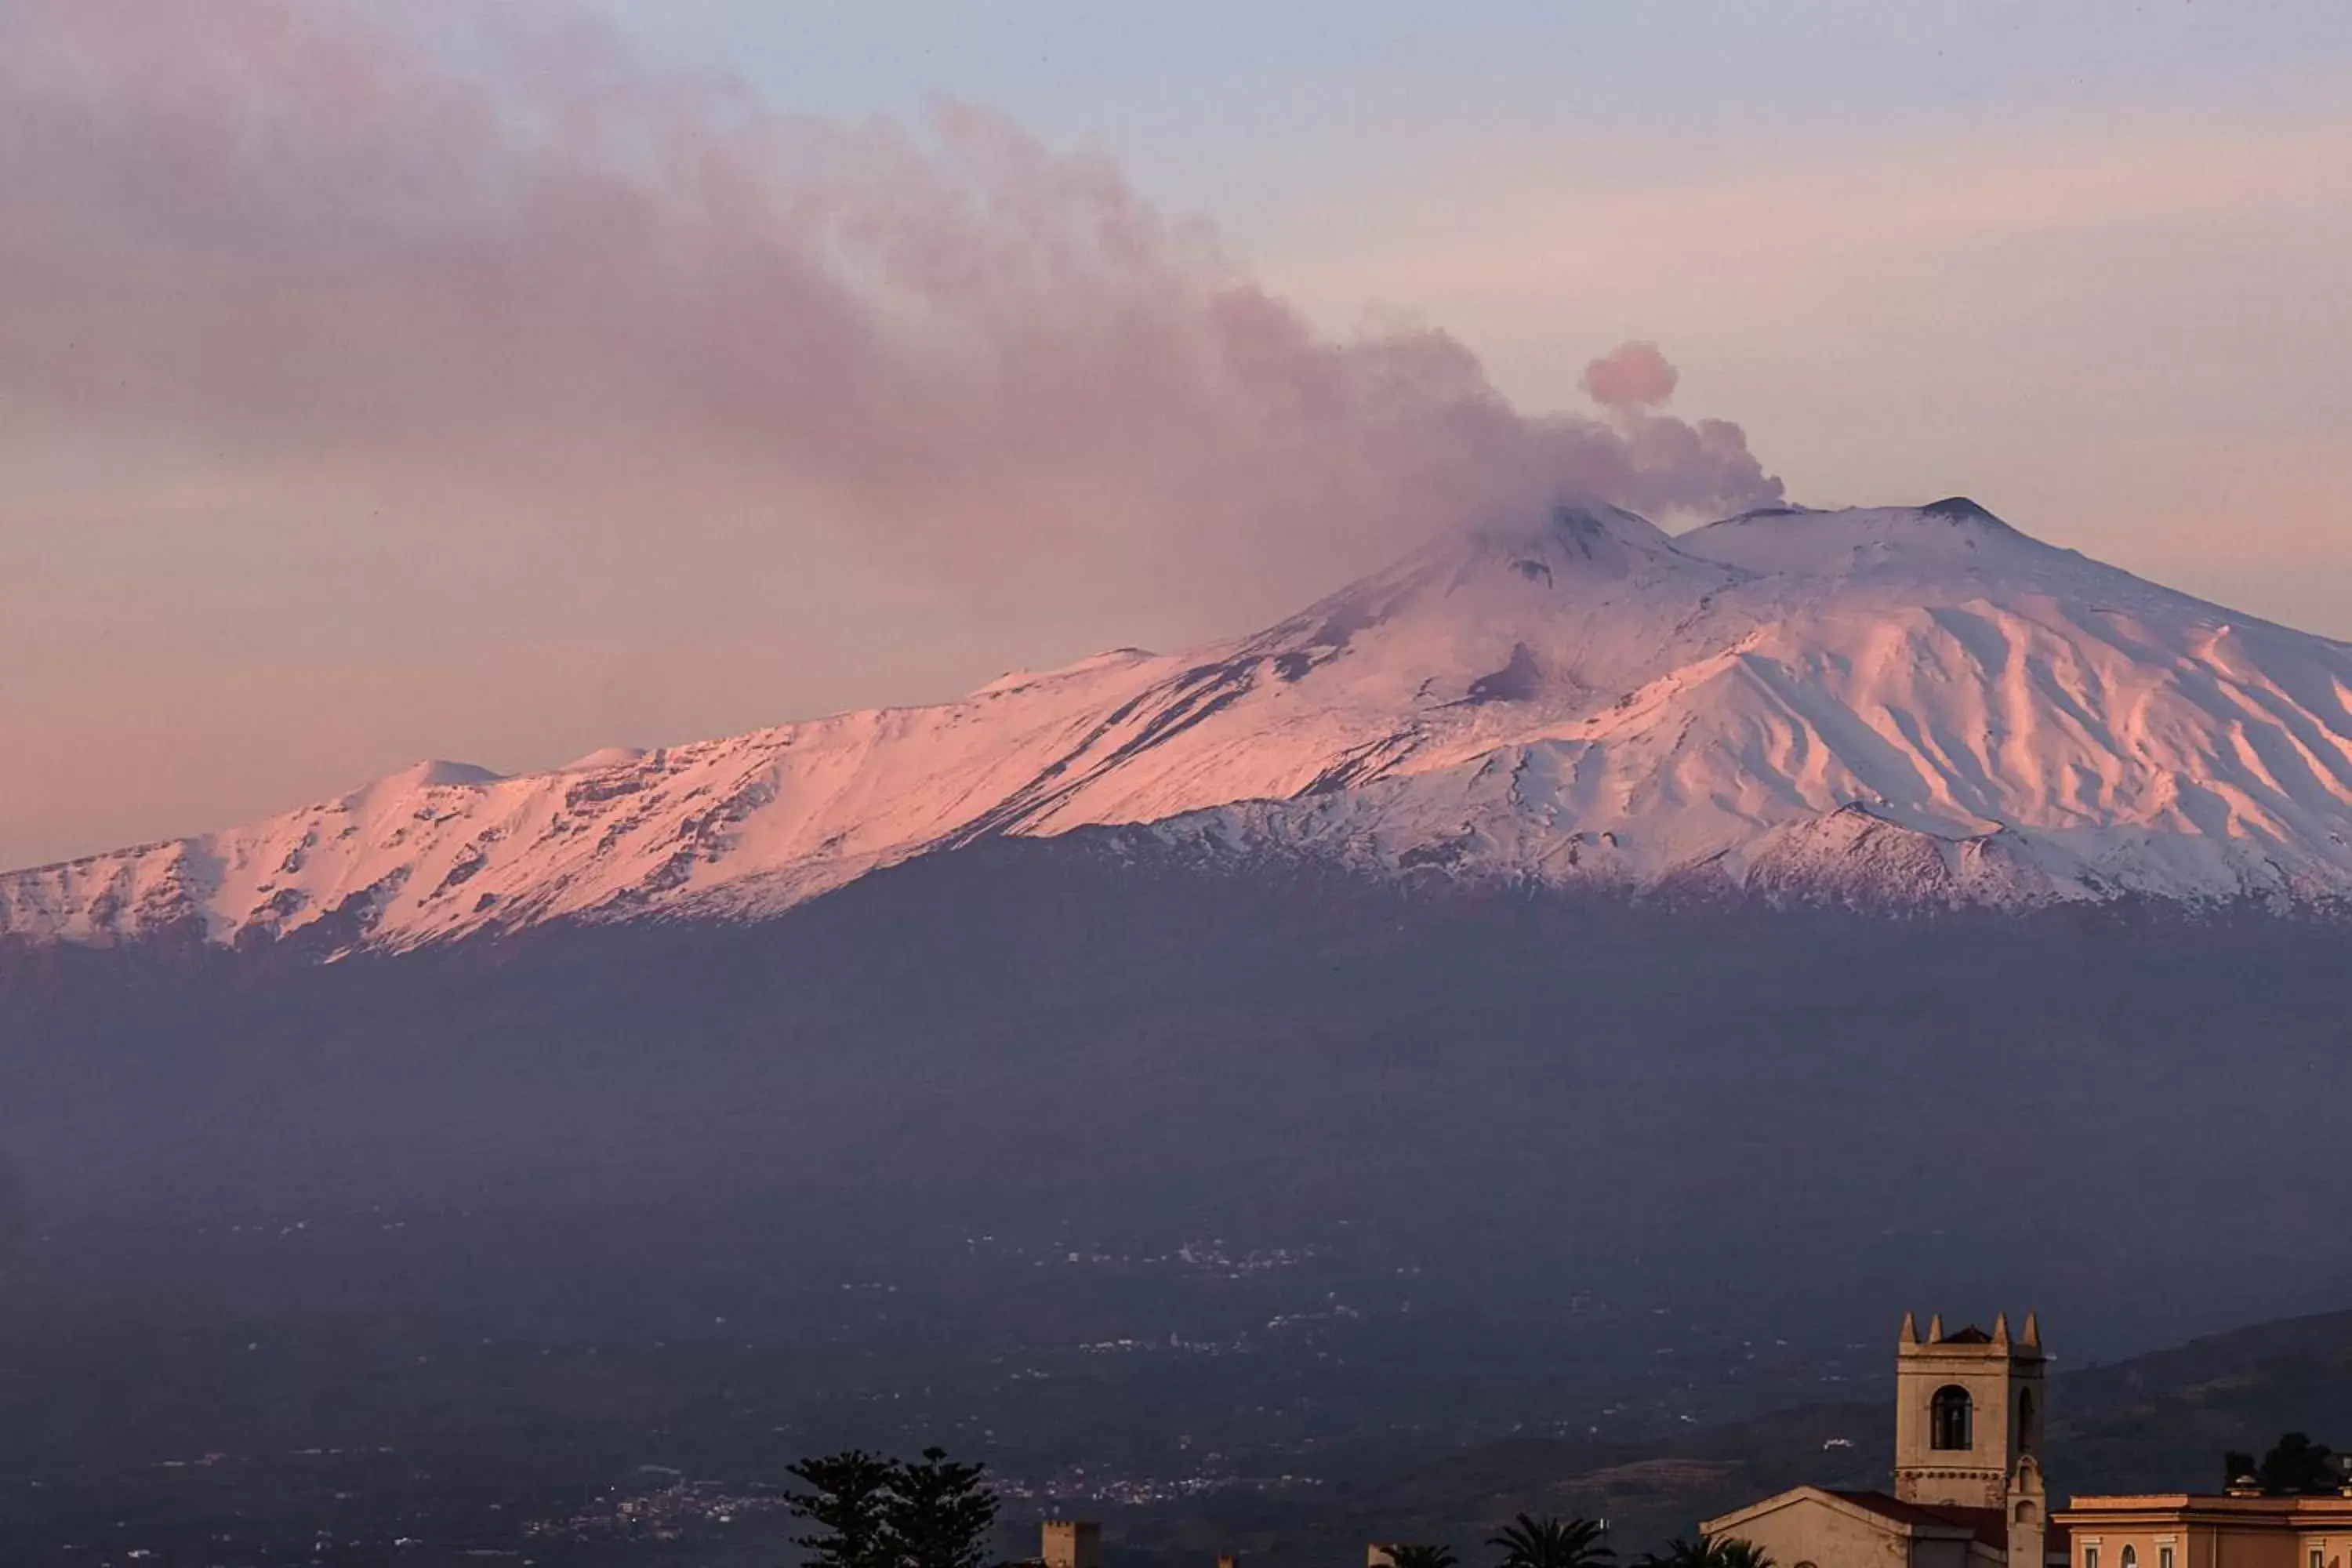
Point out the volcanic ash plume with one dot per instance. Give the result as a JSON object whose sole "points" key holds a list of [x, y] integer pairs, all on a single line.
{"points": [[532, 277]]}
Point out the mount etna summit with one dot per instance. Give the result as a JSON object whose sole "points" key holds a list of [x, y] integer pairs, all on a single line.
{"points": [[1887, 707]]}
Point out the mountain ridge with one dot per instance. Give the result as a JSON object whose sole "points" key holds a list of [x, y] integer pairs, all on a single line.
{"points": [[1900, 707]]}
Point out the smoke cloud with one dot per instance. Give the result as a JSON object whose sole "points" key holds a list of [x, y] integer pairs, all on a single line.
{"points": [[520, 276], [1630, 376]]}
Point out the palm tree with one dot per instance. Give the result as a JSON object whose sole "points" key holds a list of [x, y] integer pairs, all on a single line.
{"points": [[1709, 1552], [1528, 1542], [1417, 1554]]}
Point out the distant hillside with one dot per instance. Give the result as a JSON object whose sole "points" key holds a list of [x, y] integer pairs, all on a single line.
{"points": [[1063, 1159], [2166, 1418], [2154, 1422]]}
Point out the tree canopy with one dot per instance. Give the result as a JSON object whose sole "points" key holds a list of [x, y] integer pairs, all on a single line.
{"points": [[1530, 1543], [940, 1513], [1709, 1552], [873, 1512], [2296, 1466], [1421, 1554], [849, 1501]]}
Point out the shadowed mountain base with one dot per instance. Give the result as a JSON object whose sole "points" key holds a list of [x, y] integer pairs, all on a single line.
{"points": [[1062, 1157]]}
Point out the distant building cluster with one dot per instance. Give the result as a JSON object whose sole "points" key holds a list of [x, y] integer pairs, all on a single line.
{"points": [[1968, 1490], [1970, 1407], [1077, 1543]]}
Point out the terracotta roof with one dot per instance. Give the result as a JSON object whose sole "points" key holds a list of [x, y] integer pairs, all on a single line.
{"points": [[1989, 1525], [1986, 1526]]}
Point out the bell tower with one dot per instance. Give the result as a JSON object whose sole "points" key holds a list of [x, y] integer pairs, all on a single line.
{"points": [[1969, 1410]]}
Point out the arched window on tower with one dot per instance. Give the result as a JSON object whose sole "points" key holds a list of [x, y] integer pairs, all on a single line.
{"points": [[2025, 1421], [1948, 1418]]}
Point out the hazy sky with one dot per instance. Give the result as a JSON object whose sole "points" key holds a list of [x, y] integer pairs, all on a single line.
{"points": [[499, 383]]}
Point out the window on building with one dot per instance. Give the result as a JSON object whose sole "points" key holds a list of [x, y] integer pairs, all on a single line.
{"points": [[2090, 1557], [2164, 1557], [2130, 1559], [2318, 1558], [1948, 1418], [2025, 1421]]}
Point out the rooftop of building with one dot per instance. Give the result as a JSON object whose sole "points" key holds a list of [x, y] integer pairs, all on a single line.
{"points": [[2026, 1345], [2335, 1508], [1989, 1525]]}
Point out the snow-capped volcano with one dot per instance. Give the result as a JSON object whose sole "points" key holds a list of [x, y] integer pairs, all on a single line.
{"points": [[1892, 705]]}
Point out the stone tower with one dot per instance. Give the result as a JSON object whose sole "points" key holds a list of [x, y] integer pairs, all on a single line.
{"points": [[1070, 1543], [1969, 1410]]}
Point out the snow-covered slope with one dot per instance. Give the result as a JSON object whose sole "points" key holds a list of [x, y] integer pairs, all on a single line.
{"points": [[1896, 706]]}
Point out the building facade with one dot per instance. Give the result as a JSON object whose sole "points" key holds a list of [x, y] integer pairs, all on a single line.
{"points": [[1969, 1409], [2240, 1529]]}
